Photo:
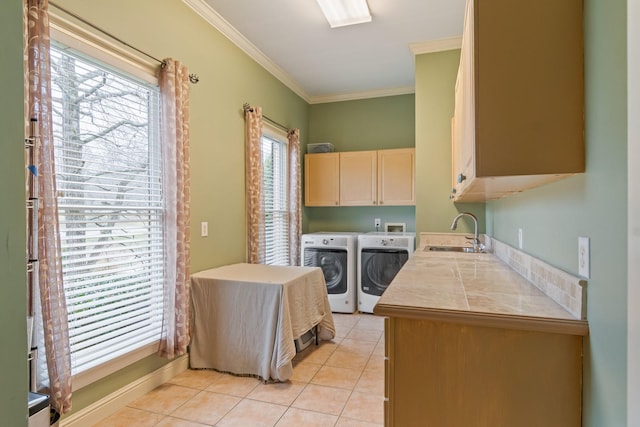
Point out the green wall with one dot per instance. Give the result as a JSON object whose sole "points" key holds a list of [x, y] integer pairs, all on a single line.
{"points": [[13, 301], [552, 217], [595, 205], [366, 124], [435, 88], [228, 78]]}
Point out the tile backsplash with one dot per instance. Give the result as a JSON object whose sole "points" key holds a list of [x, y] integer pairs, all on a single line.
{"points": [[567, 290], [447, 239]]}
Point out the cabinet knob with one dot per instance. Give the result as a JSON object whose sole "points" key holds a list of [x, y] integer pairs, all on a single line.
{"points": [[453, 190], [336, 203], [461, 177]]}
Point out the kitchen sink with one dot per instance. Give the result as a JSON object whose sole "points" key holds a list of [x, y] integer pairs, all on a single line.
{"points": [[468, 249]]}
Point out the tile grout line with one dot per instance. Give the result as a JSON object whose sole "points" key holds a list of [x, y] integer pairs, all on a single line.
{"points": [[337, 343]]}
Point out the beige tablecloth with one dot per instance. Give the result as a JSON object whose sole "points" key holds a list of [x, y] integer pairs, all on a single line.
{"points": [[246, 317]]}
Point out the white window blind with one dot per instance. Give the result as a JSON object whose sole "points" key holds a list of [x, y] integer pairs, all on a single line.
{"points": [[108, 177], [274, 157]]}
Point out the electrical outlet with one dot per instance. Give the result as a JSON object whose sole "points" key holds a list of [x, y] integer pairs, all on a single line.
{"points": [[519, 238], [204, 229], [583, 257], [376, 223]]}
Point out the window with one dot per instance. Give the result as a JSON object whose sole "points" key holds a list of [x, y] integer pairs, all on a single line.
{"points": [[108, 176], [276, 211]]}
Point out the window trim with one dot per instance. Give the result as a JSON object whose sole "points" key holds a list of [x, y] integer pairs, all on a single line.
{"points": [[273, 132], [69, 32], [74, 34], [276, 134]]}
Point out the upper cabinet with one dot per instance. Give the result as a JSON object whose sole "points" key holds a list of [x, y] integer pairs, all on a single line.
{"points": [[361, 178], [519, 97], [358, 171], [396, 177], [322, 179]]}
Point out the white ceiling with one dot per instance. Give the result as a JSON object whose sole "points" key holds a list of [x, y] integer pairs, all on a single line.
{"points": [[292, 40]]}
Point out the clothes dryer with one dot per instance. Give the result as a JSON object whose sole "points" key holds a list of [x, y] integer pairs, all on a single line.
{"points": [[335, 254], [380, 256]]}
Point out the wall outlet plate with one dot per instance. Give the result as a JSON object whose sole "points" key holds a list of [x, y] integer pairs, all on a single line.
{"points": [[204, 229], [583, 257], [519, 238], [376, 223]]}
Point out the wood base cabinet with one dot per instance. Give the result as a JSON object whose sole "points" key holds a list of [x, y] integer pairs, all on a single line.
{"points": [[454, 374]]}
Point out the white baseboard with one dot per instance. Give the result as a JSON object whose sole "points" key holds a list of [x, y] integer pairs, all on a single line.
{"points": [[117, 400]]}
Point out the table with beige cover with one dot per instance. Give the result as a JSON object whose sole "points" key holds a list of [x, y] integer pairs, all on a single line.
{"points": [[247, 316]]}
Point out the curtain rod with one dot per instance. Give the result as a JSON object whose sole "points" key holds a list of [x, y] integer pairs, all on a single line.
{"points": [[193, 78], [246, 106]]}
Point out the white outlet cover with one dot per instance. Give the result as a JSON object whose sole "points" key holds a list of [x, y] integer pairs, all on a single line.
{"points": [[584, 268], [204, 229], [519, 238]]}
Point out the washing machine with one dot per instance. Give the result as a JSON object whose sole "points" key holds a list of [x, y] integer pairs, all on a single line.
{"points": [[336, 254], [380, 256]]}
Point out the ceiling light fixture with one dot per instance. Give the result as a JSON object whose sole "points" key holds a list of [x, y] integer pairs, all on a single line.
{"points": [[345, 12]]}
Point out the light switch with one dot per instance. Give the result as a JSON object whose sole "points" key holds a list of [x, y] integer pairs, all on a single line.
{"points": [[204, 229]]}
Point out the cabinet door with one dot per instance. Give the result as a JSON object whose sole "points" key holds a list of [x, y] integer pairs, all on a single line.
{"points": [[500, 377], [396, 177], [321, 179], [464, 110], [529, 96], [519, 101], [455, 151], [358, 172]]}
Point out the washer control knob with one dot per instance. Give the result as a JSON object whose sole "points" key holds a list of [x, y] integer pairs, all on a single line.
{"points": [[384, 242], [325, 241]]}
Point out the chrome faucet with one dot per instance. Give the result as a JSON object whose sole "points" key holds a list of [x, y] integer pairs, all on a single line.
{"points": [[477, 247]]}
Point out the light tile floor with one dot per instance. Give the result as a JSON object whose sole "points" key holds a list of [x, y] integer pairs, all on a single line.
{"points": [[338, 383]]}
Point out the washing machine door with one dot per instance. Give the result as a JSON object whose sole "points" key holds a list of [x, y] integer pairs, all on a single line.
{"points": [[333, 263], [379, 267]]}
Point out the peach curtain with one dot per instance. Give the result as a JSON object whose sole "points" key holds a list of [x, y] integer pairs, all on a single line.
{"points": [[174, 94], [295, 202], [253, 182], [55, 330]]}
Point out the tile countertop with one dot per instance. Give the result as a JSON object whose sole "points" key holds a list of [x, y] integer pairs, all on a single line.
{"points": [[473, 288]]}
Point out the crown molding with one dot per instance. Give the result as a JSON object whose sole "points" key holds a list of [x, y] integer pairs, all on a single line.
{"points": [[353, 96], [223, 26], [436, 45], [230, 32]]}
